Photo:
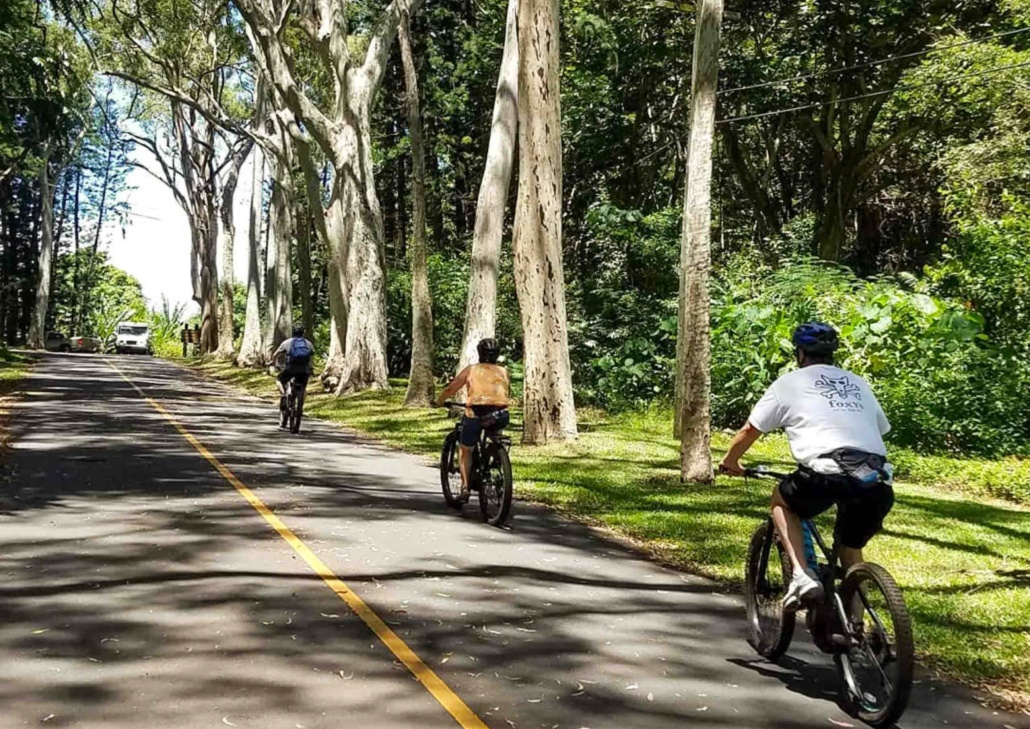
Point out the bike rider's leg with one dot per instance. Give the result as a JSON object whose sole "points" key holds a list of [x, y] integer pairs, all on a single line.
{"points": [[849, 556], [804, 584], [789, 526], [465, 466]]}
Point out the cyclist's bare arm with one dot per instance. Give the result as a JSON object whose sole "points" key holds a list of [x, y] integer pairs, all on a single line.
{"points": [[453, 387], [742, 441]]}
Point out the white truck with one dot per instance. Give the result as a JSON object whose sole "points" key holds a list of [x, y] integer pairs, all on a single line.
{"points": [[132, 337]]}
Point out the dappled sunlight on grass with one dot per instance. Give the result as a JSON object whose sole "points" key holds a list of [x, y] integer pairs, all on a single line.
{"points": [[964, 563]]}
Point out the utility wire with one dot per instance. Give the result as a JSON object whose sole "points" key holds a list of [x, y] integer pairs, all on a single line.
{"points": [[869, 64], [935, 82]]}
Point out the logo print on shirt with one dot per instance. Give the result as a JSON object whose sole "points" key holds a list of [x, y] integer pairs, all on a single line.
{"points": [[839, 388]]}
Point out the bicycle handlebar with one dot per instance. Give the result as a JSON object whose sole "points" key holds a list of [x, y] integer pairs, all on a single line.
{"points": [[763, 472]]}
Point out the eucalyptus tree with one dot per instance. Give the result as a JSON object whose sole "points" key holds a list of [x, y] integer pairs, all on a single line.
{"points": [[549, 409], [341, 128], [421, 384], [488, 234], [693, 344]]}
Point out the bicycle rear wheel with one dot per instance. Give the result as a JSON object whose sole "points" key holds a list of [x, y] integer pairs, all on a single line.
{"points": [[495, 491], [770, 627], [877, 668], [295, 414], [450, 473]]}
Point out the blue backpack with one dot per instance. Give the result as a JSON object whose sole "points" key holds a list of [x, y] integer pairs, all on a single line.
{"points": [[299, 356]]}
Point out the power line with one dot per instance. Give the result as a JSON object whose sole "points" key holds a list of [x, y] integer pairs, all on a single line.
{"points": [[869, 64], [908, 87]]}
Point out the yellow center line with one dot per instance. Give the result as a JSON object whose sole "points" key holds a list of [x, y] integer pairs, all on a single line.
{"points": [[440, 691]]}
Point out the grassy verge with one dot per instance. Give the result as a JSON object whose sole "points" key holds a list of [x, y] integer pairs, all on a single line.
{"points": [[962, 559], [13, 366]]}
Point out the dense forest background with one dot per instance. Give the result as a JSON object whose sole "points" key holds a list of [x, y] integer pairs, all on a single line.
{"points": [[871, 169]]}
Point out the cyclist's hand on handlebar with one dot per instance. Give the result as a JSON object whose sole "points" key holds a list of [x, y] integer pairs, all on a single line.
{"points": [[732, 468]]}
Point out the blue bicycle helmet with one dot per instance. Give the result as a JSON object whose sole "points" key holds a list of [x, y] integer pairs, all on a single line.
{"points": [[816, 338]]}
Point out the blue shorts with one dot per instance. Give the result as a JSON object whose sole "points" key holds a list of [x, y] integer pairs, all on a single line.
{"points": [[490, 417]]}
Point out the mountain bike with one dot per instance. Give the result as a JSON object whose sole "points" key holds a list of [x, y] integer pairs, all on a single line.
{"points": [[489, 475], [862, 620], [291, 407]]}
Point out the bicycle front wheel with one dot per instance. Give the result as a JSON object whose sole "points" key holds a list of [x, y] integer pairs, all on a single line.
{"points": [[450, 472], [495, 491], [877, 668], [768, 573], [284, 413]]}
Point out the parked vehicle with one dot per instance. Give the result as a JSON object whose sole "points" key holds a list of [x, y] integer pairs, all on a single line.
{"points": [[132, 337], [58, 342]]}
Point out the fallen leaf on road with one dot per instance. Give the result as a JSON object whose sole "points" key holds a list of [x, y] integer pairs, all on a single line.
{"points": [[632, 687], [345, 677], [40, 631], [329, 615], [650, 696], [702, 708], [225, 720], [49, 717], [840, 723]]}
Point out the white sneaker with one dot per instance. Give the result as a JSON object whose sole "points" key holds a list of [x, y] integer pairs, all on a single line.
{"points": [[804, 588]]}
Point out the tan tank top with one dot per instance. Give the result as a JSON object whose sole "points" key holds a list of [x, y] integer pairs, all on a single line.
{"points": [[487, 384]]}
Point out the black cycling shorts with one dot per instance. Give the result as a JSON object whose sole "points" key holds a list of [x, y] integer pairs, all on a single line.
{"points": [[301, 378], [861, 509], [485, 415]]}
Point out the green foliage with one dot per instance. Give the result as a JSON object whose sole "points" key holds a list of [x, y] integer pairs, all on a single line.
{"points": [[932, 366], [623, 314], [114, 295], [166, 328]]}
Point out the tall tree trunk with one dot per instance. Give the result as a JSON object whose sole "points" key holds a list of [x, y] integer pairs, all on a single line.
{"points": [[421, 386], [693, 348], [37, 326], [252, 350], [549, 409], [480, 314], [278, 269], [207, 261], [364, 360], [76, 322], [307, 312], [226, 333]]}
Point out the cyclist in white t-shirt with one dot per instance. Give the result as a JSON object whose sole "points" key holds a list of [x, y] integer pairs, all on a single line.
{"points": [[835, 429]]}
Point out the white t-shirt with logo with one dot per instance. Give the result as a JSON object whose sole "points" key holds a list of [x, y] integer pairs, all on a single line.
{"points": [[822, 408]]}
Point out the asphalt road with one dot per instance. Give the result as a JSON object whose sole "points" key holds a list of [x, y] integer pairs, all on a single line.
{"points": [[140, 588]]}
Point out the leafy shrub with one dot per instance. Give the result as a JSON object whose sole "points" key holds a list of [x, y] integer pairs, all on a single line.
{"points": [[932, 367]]}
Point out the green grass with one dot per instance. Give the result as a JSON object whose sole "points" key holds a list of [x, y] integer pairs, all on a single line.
{"points": [[13, 366], [963, 559]]}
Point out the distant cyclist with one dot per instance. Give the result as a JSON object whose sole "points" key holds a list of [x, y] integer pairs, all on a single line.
{"points": [[487, 397], [296, 356], [835, 429]]}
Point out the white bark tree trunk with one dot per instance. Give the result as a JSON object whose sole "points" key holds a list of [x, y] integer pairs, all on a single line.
{"points": [[279, 278], [549, 409], [252, 349], [226, 333], [37, 325], [693, 348], [481, 311], [421, 385]]}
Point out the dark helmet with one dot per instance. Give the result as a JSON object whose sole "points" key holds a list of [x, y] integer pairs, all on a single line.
{"points": [[489, 350], [816, 338], [298, 331]]}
